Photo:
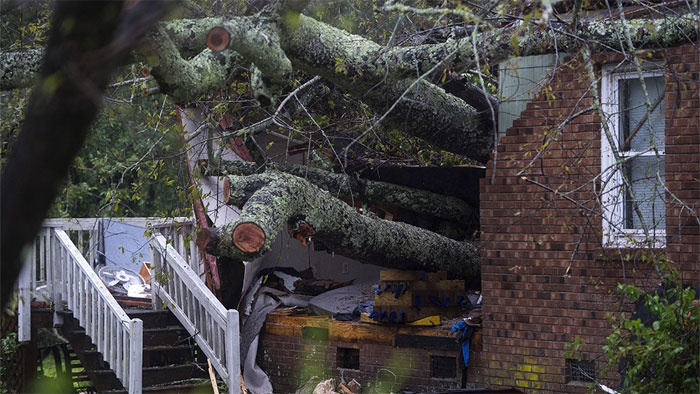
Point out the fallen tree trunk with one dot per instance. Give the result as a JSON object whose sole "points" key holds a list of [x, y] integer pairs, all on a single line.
{"points": [[357, 189], [273, 199]]}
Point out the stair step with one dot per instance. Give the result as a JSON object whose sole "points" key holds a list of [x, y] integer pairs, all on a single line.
{"points": [[154, 319], [78, 337], [151, 336], [152, 356], [92, 360], [200, 387], [164, 336], [81, 378], [158, 356], [106, 379], [153, 376]]}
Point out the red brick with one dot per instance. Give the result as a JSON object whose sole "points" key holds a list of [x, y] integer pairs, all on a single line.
{"points": [[531, 308]]}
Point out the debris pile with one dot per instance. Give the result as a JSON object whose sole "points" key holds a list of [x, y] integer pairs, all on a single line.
{"points": [[330, 386], [128, 287]]}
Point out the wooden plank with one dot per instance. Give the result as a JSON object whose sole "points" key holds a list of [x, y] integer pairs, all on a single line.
{"points": [[400, 275], [24, 323], [299, 321], [413, 314], [282, 330], [233, 350], [443, 285], [135, 358], [42, 255], [388, 299], [436, 331], [361, 332]]}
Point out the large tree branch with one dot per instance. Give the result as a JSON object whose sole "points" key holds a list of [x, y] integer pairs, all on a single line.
{"points": [[494, 46], [273, 199], [183, 79], [355, 188], [420, 109]]}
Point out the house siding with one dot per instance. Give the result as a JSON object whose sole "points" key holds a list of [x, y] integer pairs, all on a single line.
{"points": [[546, 279]]}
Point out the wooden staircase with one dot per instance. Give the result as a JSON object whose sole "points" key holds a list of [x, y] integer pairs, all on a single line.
{"points": [[149, 351], [172, 362]]}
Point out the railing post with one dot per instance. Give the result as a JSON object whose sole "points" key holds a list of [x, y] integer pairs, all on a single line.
{"points": [[58, 278], [233, 349], [24, 307], [135, 356], [156, 269], [48, 263]]}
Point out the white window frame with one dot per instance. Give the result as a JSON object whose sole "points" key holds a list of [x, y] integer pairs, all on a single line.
{"points": [[614, 233]]}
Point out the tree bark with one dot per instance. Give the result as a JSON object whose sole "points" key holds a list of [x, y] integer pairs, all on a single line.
{"points": [[494, 46], [354, 188], [19, 68], [273, 199]]}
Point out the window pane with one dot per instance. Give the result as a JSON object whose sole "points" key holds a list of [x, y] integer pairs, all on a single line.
{"points": [[648, 193], [633, 110]]}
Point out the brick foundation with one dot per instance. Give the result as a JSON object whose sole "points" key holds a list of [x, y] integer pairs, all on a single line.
{"points": [[290, 354]]}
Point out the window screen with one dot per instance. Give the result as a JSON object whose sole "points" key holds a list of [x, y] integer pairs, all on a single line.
{"points": [[580, 370]]}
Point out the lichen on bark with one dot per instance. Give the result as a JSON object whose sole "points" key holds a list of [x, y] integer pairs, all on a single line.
{"points": [[185, 80], [18, 69], [274, 198], [417, 108], [352, 187]]}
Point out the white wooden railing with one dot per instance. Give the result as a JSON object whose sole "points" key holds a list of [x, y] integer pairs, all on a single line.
{"points": [[214, 328], [54, 260], [86, 233], [180, 234], [55, 271]]}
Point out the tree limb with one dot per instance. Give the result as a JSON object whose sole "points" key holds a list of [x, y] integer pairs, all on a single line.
{"points": [[499, 44], [355, 188], [19, 68], [273, 199]]}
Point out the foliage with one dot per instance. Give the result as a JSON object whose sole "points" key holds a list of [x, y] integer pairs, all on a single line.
{"points": [[131, 164], [9, 348], [662, 354]]}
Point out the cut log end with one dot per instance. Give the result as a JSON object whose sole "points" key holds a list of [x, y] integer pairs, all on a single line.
{"points": [[207, 239], [248, 237], [227, 190], [218, 39]]}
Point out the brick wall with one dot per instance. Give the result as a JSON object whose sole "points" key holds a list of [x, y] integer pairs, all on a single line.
{"points": [[291, 361], [545, 278], [389, 356]]}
